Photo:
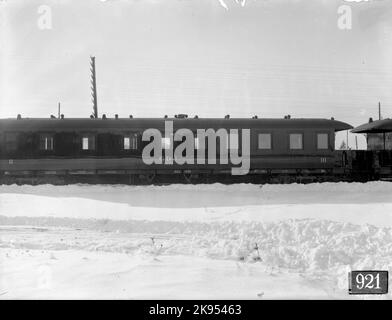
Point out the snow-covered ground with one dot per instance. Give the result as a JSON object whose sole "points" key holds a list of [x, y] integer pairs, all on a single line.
{"points": [[182, 241]]}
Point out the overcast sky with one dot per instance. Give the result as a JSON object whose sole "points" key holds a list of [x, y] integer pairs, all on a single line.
{"points": [[268, 58]]}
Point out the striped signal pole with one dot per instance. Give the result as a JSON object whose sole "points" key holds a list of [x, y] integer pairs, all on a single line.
{"points": [[94, 87]]}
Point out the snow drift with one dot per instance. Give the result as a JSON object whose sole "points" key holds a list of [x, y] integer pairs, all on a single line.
{"points": [[307, 235]]}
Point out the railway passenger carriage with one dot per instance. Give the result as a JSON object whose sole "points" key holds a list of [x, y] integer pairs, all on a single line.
{"points": [[98, 150]]}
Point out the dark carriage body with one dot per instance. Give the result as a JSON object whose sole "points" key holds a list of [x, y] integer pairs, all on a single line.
{"points": [[22, 151]]}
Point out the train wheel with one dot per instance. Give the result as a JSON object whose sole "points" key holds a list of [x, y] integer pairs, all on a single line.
{"points": [[133, 179], [147, 178], [150, 177], [190, 178]]}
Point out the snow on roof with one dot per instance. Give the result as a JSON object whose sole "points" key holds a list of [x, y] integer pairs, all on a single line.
{"points": [[377, 126], [26, 124]]}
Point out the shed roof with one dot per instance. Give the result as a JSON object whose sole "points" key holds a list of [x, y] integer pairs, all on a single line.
{"points": [[377, 126]]}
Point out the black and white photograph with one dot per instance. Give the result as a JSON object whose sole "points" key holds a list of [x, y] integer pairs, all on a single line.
{"points": [[195, 150]]}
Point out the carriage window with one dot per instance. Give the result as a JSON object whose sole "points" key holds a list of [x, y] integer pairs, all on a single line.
{"points": [[46, 142], [131, 142], [85, 143], [296, 141], [165, 143], [264, 141], [322, 141], [11, 141], [88, 142], [233, 141], [127, 144]]}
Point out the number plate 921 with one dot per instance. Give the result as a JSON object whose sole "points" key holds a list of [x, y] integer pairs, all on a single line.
{"points": [[368, 282]]}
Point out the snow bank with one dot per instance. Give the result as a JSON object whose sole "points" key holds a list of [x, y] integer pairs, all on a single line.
{"points": [[215, 195], [299, 245], [47, 275], [345, 202], [189, 238]]}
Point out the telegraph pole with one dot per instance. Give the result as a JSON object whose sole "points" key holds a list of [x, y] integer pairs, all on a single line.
{"points": [[379, 118], [94, 87], [379, 111], [58, 115], [347, 138]]}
